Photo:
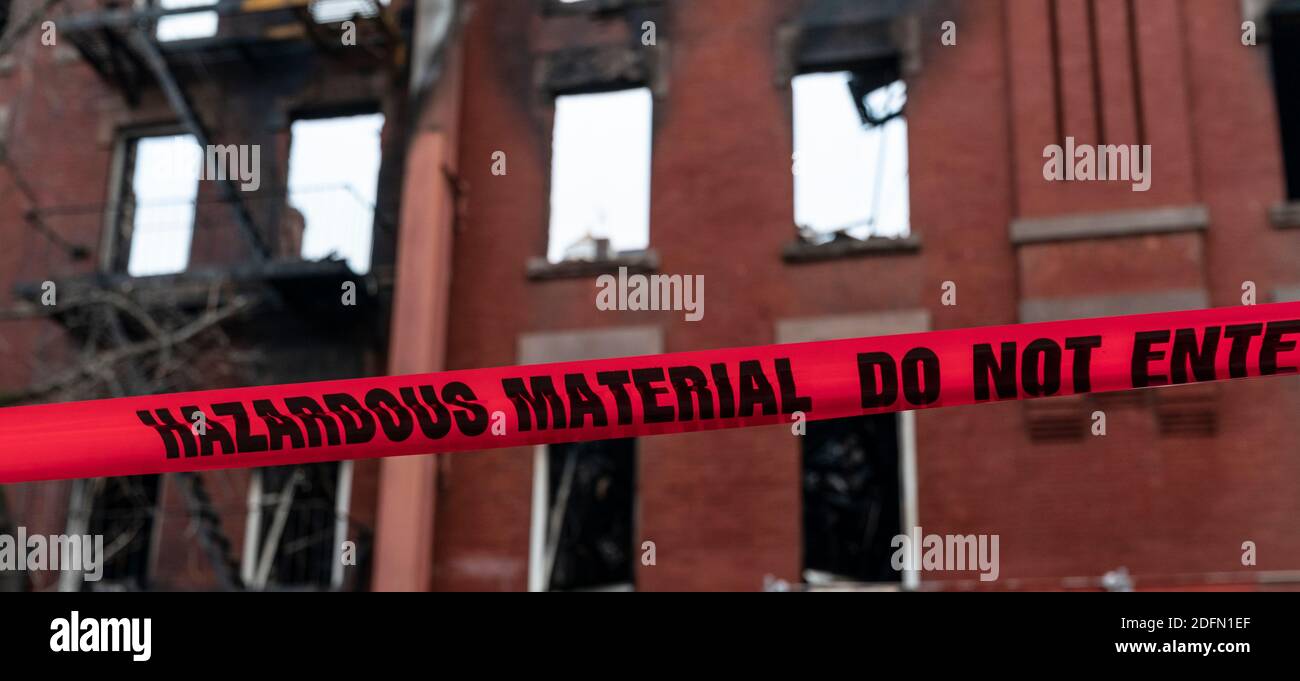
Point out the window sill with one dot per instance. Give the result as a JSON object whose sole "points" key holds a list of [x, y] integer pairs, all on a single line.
{"points": [[849, 247], [1285, 215], [1081, 226], [636, 262]]}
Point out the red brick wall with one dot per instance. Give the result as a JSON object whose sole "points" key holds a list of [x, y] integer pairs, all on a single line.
{"points": [[724, 507]]}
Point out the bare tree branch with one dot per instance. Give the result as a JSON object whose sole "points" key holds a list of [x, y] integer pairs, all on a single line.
{"points": [[103, 362]]}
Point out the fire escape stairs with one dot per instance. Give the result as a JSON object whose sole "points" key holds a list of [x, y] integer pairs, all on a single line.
{"points": [[211, 538]]}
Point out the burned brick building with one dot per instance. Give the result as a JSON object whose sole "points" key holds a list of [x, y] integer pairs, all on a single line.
{"points": [[184, 208], [831, 168], [725, 103]]}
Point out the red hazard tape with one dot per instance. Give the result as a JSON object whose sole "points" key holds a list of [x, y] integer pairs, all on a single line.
{"points": [[635, 396]]}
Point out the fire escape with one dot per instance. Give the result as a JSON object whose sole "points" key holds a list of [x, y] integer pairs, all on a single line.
{"points": [[210, 325]]}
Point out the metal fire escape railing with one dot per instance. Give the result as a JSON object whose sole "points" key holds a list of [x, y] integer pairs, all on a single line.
{"points": [[123, 47], [142, 38], [141, 338], [294, 532]]}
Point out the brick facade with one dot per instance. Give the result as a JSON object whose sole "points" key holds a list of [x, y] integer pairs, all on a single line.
{"points": [[724, 508], [1183, 477]]}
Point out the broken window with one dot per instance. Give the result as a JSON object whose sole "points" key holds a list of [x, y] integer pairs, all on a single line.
{"points": [[600, 174], [122, 511], [850, 162], [189, 25], [589, 511], [297, 525], [158, 212], [1285, 45], [333, 181], [851, 497]]}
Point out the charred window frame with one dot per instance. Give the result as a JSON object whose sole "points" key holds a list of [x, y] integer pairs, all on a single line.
{"points": [[855, 497], [122, 208], [297, 523], [878, 93], [1284, 48], [878, 45], [595, 71], [598, 208], [587, 518], [839, 35], [334, 198], [124, 511]]}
